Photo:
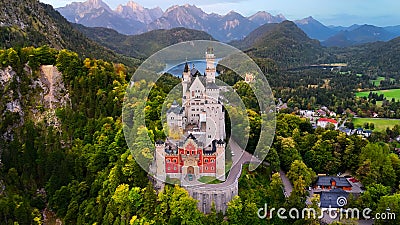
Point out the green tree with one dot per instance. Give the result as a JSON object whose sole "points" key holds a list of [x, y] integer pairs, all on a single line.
{"points": [[234, 211], [299, 169]]}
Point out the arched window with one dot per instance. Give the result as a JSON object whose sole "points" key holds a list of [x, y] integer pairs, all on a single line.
{"points": [[206, 160]]}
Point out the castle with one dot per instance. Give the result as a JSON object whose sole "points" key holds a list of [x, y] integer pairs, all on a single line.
{"points": [[197, 148]]}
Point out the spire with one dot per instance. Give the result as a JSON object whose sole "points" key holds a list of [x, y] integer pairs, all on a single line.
{"points": [[186, 68], [210, 50]]}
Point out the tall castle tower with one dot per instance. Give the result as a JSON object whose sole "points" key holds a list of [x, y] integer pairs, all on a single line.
{"points": [[210, 69], [186, 80], [220, 161], [160, 160]]}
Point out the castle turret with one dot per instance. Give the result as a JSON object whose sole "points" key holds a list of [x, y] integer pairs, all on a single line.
{"points": [[220, 160], [186, 79], [210, 69], [160, 160]]}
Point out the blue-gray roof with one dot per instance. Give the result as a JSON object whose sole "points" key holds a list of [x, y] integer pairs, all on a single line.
{"points": [[175, 108], [327, 181], [211, 85], [330, 198]]}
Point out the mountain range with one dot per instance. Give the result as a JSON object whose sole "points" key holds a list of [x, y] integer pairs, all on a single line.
{"points": [[31, 23], [339, 36], [135, 19]]}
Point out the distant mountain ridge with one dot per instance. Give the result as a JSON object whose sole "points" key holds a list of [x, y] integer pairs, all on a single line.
{"points": [[361, 35], [132, 18], [141, 45], [314, 29], [284, 43]]}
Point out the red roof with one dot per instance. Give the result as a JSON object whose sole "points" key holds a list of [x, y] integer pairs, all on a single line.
{"points": [[327, 120]]}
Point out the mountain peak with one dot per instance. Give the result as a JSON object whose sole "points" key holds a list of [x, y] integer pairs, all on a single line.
{"points": [[134, 6], [306, 20], [94, 2], [262, 17], [262, 14]]}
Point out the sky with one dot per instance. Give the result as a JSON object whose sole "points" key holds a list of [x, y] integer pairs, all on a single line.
{"points": [[329, 12]]}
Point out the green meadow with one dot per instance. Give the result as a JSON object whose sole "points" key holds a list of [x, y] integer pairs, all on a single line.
{"points": [[379, 123], [389, 94]]}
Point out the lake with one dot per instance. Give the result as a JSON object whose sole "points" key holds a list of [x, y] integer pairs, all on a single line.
{"points": [[177, 70]]}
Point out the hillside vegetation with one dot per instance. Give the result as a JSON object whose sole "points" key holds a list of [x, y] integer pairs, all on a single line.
{"points": [[142, 45]]}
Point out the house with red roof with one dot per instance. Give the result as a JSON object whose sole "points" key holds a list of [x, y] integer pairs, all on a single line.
{"points": [[324, 122]]}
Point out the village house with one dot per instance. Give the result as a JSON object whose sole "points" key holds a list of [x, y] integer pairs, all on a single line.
{"points": [[324, 122]]}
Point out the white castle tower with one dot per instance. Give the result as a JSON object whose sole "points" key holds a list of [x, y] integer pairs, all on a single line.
{"points": [[210, 67]]}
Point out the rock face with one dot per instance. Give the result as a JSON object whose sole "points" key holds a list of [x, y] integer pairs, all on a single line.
{"points": [[137, 12], [11, 99], [53, 96], [33, 95]]}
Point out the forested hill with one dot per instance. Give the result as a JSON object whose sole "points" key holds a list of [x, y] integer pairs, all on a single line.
{"points": [[31, 23], [285, 43], [381, 57], [142, 45], [61, 138]]}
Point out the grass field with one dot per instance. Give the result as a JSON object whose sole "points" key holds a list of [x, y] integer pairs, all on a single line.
{"points": [[377, 82], [389, 94], [209, 180], [380, 124]]}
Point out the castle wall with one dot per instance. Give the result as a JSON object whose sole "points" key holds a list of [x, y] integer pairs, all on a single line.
{"points": [[220, 194]]}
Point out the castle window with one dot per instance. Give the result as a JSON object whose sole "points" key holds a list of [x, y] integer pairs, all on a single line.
{"points": [[187, 152], [206, 160], [206, 168], [169, 168], [168, 160], [192, 93], [174, 160], [212, 168], [193, 152], [174, 168], [212, 160]]}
